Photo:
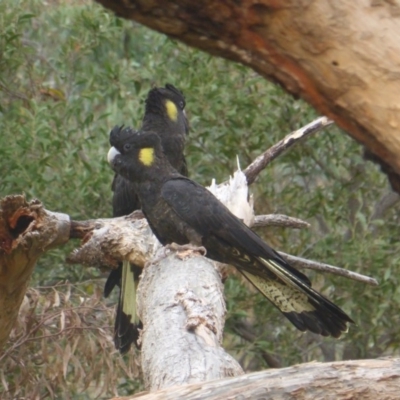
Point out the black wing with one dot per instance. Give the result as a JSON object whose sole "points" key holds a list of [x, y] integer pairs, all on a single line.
{"points": [[125, 199], [200, 209], [228, 239]]}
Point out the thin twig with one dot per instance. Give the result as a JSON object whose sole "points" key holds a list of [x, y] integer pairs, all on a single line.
{"points": [[253, 170], [279, 220], [330, 269]]}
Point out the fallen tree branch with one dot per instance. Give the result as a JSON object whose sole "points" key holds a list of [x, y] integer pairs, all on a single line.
{"points": [[343, 380], [190, 309]]}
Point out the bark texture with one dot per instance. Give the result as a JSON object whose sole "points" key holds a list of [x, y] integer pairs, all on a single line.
{"points": [[342, 57], [183, 317], [109, 241], [27, 231], [359, 379]]}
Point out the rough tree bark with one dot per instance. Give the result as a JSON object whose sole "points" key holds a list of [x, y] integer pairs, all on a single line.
{"points": [[342, 57], [183, 317], [359, 379], [27, 231]]}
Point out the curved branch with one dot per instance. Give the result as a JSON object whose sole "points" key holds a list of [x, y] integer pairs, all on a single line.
{"points": [[253, 170], [342, 57]]}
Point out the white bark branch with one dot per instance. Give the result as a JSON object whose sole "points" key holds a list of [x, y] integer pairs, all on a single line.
{"points": [[303, 263], [183, 316], [280, 220], [358, 379], [109, 241]]}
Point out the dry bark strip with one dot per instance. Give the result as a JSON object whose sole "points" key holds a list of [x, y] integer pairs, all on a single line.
{"points": [[344, 380], [342, 57]]}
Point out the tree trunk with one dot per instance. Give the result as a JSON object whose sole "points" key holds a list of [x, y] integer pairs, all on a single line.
{"points": [[342, 57], [27, 231], [183, 316]]}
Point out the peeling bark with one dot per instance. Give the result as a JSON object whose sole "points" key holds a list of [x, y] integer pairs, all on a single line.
{"points": [[109, 241], [341, 57], [183, 316]]}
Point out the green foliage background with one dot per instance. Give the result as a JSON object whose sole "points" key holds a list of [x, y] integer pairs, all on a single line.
{"points": [[70, 71]]}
